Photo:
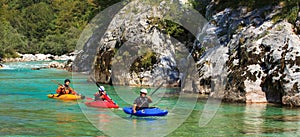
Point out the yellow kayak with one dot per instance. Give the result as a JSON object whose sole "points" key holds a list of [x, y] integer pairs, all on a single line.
{"points": [[65, 96]]}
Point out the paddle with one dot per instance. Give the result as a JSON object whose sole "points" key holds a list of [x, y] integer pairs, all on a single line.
{"points": [[156, 89], [57, 82], [96, 84]]}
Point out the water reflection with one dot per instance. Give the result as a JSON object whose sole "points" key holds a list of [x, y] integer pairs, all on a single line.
{"points": [[133, 126], [286, 118], [117, 123], [253, 118], [263, 119]]}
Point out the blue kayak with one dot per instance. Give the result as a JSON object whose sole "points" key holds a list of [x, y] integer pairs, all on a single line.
{"points": [[153, 111]]}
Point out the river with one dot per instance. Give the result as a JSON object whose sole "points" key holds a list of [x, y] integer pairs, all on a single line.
{"points": [[25, 110]]}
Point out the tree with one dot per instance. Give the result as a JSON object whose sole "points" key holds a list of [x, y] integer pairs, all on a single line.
{"points": [[36, 20], [10, 39]]}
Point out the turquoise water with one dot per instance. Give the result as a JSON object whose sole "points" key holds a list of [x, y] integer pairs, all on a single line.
{"points": [[25, 110]]}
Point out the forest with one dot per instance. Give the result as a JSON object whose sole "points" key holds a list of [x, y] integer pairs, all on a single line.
{"points": [[44, 26]]}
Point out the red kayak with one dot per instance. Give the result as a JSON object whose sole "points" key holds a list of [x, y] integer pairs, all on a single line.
{"points": [[101, 104]]}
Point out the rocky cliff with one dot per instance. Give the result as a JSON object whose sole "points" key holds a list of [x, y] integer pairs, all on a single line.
{"points": [[253, 51], [143, 45], [262, 56]]}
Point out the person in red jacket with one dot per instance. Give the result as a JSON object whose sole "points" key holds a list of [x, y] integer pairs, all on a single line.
{"points": [[101, 95], [65, 89]]}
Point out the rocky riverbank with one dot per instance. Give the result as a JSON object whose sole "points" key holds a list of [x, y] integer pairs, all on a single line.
{"points": [[39, 57], [66, 65], [55, 60]]}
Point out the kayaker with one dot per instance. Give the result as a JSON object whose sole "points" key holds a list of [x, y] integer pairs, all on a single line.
{"points": [[142, 101], [65, 89], [101, 95]]}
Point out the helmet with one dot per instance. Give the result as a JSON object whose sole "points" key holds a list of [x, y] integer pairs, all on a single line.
{"points": [[67, 80], [101, 88], [143, 91]]}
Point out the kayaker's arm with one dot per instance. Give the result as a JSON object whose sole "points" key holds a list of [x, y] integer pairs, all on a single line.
{"points": [[149, 99], [134, 108], [106, 97], [72, 91], [60, 89]]}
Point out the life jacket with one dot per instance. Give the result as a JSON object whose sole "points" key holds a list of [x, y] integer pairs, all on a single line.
{"points": [[98, 96], [65, 90], [143, 102], [68, 90]]}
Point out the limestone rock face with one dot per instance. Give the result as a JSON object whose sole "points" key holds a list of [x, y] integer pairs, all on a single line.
{"points": [[128, 36], [261, 57], [135, 50], [248, 57]]}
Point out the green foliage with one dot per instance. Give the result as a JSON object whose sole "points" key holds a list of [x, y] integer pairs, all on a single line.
{"points": [[60, 44], [144, 62], [179, 33], [171, 28], [36, 20], [200, 5], [45, 26], [289, 11], [148, 59], [9, 36]]}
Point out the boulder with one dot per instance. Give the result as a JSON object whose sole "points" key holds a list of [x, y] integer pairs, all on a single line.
{"points": [[55, 64], [293, 101]]}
